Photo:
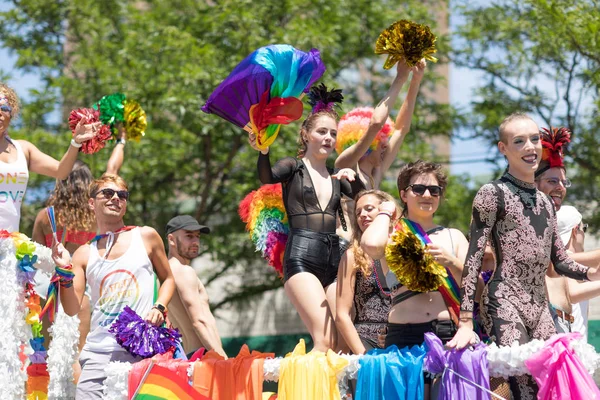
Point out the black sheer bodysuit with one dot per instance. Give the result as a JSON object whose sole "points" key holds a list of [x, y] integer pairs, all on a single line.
{"points": [[519, 222], [312, 245]]}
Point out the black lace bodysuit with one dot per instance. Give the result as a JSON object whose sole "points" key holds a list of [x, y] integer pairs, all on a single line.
{"points": [[312, 245], [519, 221]]}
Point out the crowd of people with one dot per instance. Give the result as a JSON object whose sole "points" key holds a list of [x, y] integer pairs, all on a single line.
{"points": [[335, 270]]}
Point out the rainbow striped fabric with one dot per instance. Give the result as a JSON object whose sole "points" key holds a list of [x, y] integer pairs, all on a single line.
{"points": [[163, 384]]}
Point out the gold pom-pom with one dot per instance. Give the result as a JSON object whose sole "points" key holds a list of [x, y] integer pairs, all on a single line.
{"points": [[406, 40], [412, 265], [135, 120]]}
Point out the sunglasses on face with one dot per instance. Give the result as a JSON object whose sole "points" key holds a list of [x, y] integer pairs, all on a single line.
{"points": [[555, 182], [419, 190], [109, 193], [6, 109]]}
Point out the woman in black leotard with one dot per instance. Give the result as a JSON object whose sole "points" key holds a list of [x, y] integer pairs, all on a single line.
{"points": [[311, 195], [520, 223], [421, 185]]}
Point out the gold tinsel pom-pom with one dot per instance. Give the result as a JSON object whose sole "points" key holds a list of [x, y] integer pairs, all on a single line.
{"points": [[135, 120], [406, 40], [412, 265]]}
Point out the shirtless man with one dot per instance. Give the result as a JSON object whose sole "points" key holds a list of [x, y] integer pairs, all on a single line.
{"points": [[190, 310]]}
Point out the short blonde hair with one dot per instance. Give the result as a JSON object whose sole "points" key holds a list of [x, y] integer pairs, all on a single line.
{"points": [[13, 99], [97, 183], [512, 117]]}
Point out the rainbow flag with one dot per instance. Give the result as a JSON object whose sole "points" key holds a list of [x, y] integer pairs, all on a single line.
{"points": [[161, 383], [449, 289]]}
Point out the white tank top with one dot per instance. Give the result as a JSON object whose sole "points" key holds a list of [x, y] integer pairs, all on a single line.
{"points": [[13, 184], [126, 281]]}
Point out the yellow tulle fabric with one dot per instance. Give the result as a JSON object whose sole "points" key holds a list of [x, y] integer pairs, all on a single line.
{"points": [[311, 376]]}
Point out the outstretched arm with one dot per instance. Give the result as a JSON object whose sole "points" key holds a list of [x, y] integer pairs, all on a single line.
{"points": [[43, 164], [350, 157], [115, 162], [404, 118]]}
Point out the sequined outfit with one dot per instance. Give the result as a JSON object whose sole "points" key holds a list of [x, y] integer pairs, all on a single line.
{"points": [[519, 221]]}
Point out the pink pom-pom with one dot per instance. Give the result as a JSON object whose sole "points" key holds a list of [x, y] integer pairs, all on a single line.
{"points": [[90, 116]]}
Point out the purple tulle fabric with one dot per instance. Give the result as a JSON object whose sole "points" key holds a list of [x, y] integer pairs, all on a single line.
{"points": [[470, 364], [141, 338]]}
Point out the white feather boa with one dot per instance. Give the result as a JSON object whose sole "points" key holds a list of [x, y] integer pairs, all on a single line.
{"points": [[14, 332]]}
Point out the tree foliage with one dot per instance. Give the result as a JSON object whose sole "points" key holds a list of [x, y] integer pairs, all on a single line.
{"points": [[542, 57], [170, 56]]}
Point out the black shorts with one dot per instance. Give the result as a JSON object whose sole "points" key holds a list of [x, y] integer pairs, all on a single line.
{"points": [[403, 335], [314, 252]]}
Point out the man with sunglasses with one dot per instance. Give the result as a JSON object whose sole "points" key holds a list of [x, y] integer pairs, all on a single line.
{"points": [[120, 265], [190, 309], [568, 298]]}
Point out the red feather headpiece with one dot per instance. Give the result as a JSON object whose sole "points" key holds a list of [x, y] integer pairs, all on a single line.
{"points": [[554, 143]]}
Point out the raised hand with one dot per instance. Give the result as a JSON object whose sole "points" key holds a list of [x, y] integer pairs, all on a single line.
{"points": [[345, 173], [252, 142], [419, 69], [84, 132]]}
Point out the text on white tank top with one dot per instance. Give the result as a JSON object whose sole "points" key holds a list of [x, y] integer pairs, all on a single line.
{"points": [[13, 184], [125, 281]]}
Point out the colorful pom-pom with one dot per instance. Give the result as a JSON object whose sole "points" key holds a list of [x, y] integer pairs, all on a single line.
{"points": [[111, 108], [406, 40], [141, 338], [354, 125], [412, 265], [90, 116], [264, 214], [135, 120]]}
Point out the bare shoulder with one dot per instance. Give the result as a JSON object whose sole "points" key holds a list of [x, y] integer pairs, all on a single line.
{"points": [[149, 233], [81, 255], [457, 235]]}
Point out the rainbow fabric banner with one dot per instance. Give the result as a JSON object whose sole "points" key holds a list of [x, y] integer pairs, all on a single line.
{"points": [[163, 384], [449, 289]]}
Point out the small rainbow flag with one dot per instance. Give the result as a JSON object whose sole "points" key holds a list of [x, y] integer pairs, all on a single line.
{"points": [[161, 383]]}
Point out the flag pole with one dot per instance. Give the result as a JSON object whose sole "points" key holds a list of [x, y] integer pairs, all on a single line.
{"points": [[143, 380]]}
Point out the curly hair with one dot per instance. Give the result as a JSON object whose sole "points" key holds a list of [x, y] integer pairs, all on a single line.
{"points": [[361, 260], [416, 168], [309, 124], [70, 199], [13, 99]]}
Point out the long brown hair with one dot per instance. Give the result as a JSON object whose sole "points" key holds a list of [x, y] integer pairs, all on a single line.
{"points": [[70, 200], [361, 260]]}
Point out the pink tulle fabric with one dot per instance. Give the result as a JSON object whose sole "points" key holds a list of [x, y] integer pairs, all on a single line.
{"points": [[559, 373]]}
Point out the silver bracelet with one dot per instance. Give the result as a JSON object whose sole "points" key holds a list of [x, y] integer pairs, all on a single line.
{"points": [[75, 144]]}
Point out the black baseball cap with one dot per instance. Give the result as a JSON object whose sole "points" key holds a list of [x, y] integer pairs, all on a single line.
{"points": [[186, 222]]}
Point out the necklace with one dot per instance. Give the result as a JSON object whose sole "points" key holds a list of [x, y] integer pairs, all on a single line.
{"points": [[111, 238], [376, 265]]}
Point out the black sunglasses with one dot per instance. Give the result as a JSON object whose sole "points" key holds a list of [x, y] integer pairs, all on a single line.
{"points": [[419, 190], [6, 109], [583, 227], [109, 193]]}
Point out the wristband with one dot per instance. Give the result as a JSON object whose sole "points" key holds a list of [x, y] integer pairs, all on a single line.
{"points": [[75, 144], [161, 308], [121, 141], [389, 214]]}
